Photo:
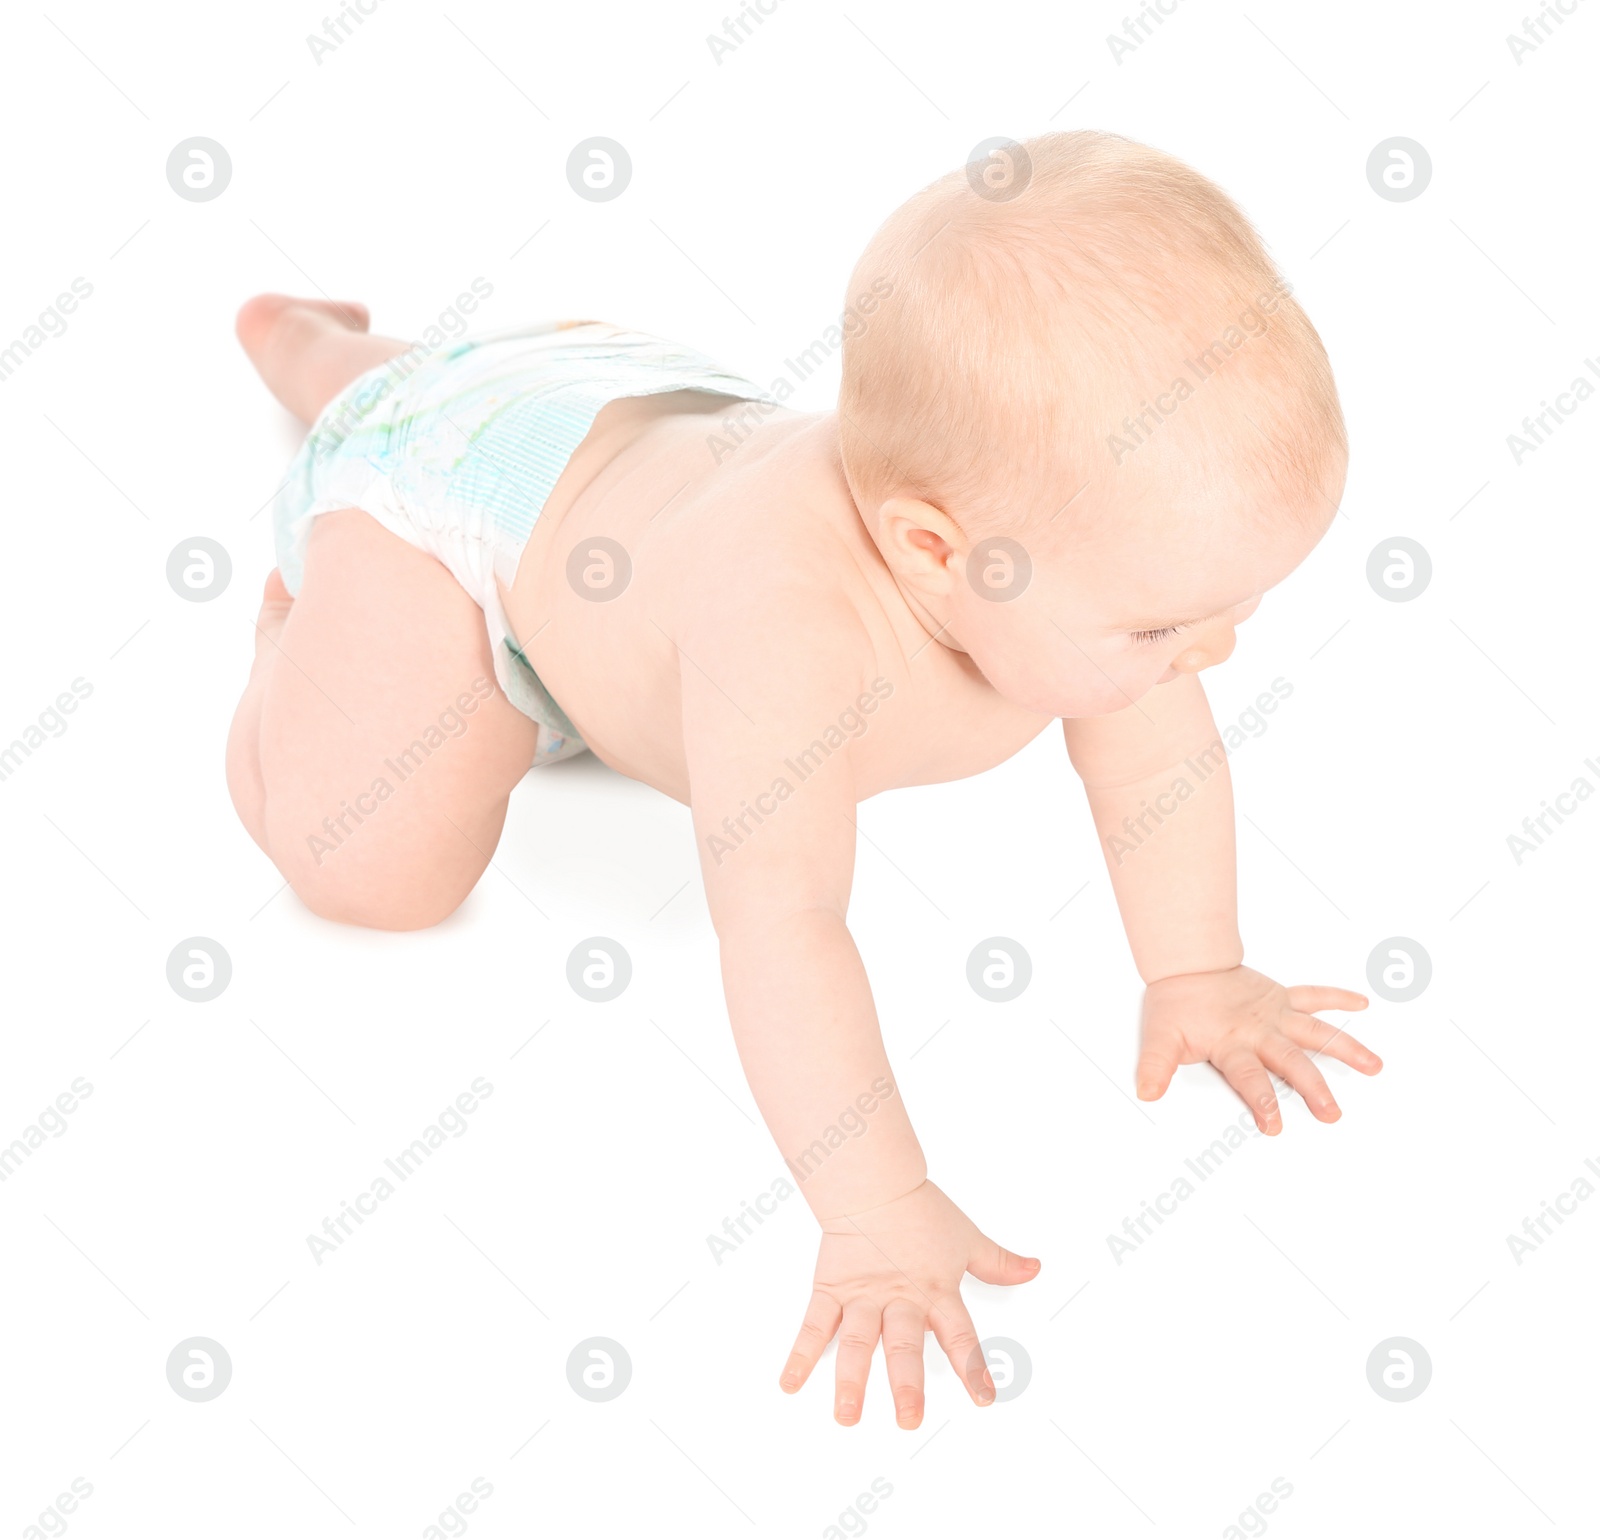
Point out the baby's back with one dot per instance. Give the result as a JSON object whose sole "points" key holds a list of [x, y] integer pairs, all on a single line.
{"points": [[677, 507]]}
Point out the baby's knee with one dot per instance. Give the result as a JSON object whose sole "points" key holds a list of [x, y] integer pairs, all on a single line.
{"points": [[376, 882]]}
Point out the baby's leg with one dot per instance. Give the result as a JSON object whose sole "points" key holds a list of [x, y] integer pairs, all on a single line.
{"points": [[355, 761], [351, 760]]}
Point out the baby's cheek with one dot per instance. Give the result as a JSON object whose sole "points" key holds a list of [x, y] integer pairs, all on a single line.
{"points": [[1102, 693], [1052, 673]]}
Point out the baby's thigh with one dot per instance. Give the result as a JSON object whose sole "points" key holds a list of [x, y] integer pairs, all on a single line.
{"points": [[388, 753]]}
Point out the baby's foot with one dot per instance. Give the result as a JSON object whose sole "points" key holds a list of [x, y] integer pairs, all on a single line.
{"points": [[258, 318], [245, 783], [300, 347], [276, 602]]}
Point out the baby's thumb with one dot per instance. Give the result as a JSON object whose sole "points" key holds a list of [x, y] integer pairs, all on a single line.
{"points": [[1158, 1058], [994, 1264]]}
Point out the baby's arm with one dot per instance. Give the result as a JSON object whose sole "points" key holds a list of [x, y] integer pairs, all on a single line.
{"points": [[1162, 799], [776, 834]]}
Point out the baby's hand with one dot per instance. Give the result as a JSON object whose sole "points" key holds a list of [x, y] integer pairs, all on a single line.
{"points": [[895, 1271], [1246, 1024]]}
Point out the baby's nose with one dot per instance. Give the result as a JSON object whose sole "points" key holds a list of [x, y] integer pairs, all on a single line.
{"points": [[1206, 651]]}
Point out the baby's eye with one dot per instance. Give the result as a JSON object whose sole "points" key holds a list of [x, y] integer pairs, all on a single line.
{"points": [[1145, 638]]}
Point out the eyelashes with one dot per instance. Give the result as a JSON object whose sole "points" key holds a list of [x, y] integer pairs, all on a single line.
{"points": [[1145, 638]]}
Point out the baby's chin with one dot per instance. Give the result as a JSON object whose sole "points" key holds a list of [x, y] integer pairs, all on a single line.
{"points": [[1095, 698], [1071, 693]]}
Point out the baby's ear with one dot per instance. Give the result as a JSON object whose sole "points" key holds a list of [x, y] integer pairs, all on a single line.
{"points": [[919, 541]]}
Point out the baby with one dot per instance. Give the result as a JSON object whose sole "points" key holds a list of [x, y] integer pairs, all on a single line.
{"points": [[1083, 428]]}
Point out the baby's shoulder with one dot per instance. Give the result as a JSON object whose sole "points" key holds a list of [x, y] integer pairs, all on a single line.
{"points": [[772, 544]]}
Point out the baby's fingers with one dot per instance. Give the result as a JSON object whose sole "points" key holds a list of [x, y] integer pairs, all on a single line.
{"points": [[1280, 1054], [1243, 1071], [858, 1336], [904, 1326], [1317, 1036], [816, 1332], [959, 1339]]}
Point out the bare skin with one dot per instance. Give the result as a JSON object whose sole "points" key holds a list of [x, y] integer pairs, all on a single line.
{"points": [[779, 655], [694, 528]]}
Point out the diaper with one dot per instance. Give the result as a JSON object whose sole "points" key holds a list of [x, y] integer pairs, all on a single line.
{"points": [[456, 451]]}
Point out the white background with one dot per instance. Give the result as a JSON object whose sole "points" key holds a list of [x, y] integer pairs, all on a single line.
{"points": [[1167, 1391]]}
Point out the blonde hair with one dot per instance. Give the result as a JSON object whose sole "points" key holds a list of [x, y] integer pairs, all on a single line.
{"points": [[1025, 333]]}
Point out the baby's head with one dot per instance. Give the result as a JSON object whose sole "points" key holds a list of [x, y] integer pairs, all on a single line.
{"points": [[1085, 422]]}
